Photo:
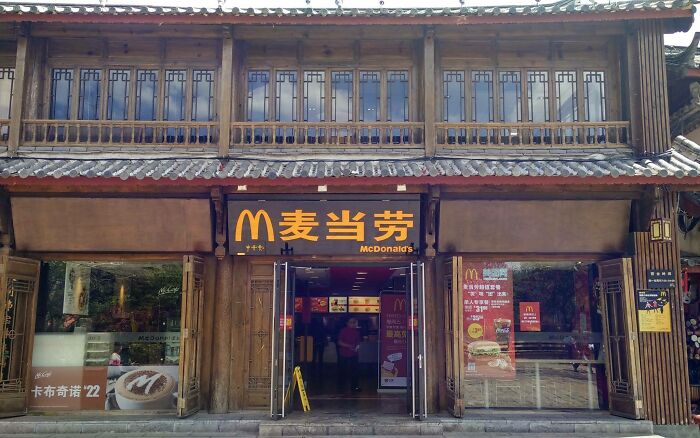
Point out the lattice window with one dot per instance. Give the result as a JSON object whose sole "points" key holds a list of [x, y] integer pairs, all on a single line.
{"points": [[258, 96], [341, 96], [482, 96], [118, 81], [174, 102], [61, 93], [202, 95], [370, 96], [397, 96], [7, 81], [510, 96], [566, 95], [594, 96], [14, 327], [314, 96], [146, 94], [538, 96], [89, 95], [286, 98]]}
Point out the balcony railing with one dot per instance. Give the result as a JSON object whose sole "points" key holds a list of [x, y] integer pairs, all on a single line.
{"points": [[532, 135], [377, 134], [4, 131], [109, 133]]}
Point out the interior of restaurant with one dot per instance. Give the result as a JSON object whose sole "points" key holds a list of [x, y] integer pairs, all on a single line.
{"points": [[342, 370]]}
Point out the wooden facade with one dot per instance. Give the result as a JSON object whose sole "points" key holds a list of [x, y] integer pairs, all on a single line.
{"points": [[438, 71]]}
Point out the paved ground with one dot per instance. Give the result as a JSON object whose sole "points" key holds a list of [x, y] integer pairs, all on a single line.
{"points": [[222, 435]]}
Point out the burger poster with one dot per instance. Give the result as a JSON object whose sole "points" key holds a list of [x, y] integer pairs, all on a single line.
{"points": [[489, 338]]}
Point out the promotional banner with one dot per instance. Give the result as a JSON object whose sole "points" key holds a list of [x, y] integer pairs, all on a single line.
{"points": [[67, 388], [489, 333], [142, 388], [392, 342], [76, 289], [654, 310], [530, 320]]}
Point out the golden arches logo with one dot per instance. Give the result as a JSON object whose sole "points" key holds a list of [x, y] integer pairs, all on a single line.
{"points": [[400, 305], [254, 222], [471, 274], [529, 309]]}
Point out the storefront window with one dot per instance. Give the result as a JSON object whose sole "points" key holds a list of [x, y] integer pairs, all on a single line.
{"points": [[107, 336], [532, 335]]}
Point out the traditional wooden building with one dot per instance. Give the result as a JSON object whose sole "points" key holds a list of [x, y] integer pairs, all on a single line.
{"points": [[423, 209]]}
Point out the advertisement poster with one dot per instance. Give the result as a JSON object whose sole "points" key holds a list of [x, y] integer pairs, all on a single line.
{"points": [[392, 342], [489, 332], [142, 388], [364, 305], [319, 304], [67, 388], [653, 310], [76, 289], [338, 304], [530, 320]]}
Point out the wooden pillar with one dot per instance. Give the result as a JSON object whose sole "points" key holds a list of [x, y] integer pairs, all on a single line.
{"points": [[18, 89], [226, 94], [664, 369], [208, 329], [221, 354], [429, 91]]}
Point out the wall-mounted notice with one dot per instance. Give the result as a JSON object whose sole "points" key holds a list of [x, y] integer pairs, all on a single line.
{"points": [[653, 310], [530, 320]]}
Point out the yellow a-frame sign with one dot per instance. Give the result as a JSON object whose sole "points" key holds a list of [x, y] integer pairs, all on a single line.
{"points": [[298, 381]]}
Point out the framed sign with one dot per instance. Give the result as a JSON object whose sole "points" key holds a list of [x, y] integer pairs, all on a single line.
{"points": [[661, 279]]}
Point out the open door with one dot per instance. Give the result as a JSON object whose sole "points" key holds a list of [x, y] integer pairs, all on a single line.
{"points": [[19, 283], [416, 321], [188, 397], [282, 340], [622, 343], [453, 335]]}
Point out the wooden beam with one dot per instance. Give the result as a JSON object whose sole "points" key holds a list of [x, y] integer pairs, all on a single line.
{"points": [[226, 94], [429, 91], [221, 352], [19, 89]]}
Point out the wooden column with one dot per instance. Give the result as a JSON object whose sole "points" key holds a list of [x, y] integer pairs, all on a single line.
{"points": [[429, 91], [226, 94], [19, 89], [221, 352], [664, 369]]}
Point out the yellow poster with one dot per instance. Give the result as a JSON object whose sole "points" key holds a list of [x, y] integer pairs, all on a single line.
{"points": [[653, 310]]}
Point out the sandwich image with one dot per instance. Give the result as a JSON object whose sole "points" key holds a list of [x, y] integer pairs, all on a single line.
{"points": [[484, 349]]}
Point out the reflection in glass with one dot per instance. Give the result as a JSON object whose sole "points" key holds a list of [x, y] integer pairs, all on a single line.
{"points": [[202, 102], [258, 103], [341, 101], [89, 96], [7, 79], [314, 97], [370, 98], [286, 104], [174, 103], [482, 103], [453, 110], [397, 104], [511, 103], [538, 103], [61, 92], [118, 94], [567, 102], [146, 102], [595, 102]]}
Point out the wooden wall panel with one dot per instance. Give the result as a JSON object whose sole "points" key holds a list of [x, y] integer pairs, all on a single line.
{"points": [[259, 324]]}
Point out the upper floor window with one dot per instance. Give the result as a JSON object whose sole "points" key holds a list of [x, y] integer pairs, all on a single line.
{"points": [[146, 94], [118, 89], [7, 79], [61, 93], [89, 106]]}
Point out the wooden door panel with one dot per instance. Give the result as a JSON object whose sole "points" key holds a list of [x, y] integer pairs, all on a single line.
{"points": [[19, 282], [259, 346], [620, 330], [453, 332]]}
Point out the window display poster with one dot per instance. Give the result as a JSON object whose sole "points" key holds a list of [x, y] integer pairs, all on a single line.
{"points": [[67, 388], [142, 388], [392, 342], [654, 310], [489, 338], [338, 304], [530, 320], [76, 289], [319, 304]]}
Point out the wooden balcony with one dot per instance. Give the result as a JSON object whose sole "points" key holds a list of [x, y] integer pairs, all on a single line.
{"points": [[119, 133], [532, 135], [328, 134]]}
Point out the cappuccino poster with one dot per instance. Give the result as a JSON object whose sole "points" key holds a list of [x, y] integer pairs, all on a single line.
{"points": [[152, 388], [67, 388], [392, 342], [489, 329]]}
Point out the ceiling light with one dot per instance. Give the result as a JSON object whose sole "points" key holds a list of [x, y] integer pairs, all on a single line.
{"points": [[361, 273]]}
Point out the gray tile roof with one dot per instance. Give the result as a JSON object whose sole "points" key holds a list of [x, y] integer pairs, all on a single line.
{"points": [[681, 161], [561, 7]]}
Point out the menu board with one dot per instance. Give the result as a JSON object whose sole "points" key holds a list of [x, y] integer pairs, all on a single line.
{"points": [[364, 305], [319, 304], [338, 304], [489, 337], [392, 342]]}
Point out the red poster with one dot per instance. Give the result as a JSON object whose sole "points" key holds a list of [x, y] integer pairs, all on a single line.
{"points": [[530, 320], [68, 388], [319, 304], [392, 342], [489, 332]]}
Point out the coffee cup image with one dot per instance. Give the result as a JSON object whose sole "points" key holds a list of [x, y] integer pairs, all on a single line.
{"points": [[145, 389]]}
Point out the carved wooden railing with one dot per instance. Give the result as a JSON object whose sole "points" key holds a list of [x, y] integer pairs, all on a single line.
{"points": [[532, 135], [278, 134], [4, 131], [116, 133]]}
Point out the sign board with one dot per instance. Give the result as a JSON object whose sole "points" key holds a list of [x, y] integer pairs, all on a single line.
{"points": [[338, 304], [334, 226], [68, 388], [363, 305], [530, 320], [653, 310], [661, 279], [487, 294], [392, 341]]}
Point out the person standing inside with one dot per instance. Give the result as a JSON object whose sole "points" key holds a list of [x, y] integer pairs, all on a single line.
{"points": [[349, 343]]}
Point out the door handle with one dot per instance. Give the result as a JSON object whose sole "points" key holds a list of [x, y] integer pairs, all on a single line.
{"points": [[420, 361]]}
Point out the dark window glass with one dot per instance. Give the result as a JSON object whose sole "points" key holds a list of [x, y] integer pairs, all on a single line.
{"points": [[397, 96], [89, 96], [174, 103], [7, 79], [202, 95], [146, 94], [286, 107], [258, 95], [118, 94], [61, 93], [482, 96], [341, 94]]}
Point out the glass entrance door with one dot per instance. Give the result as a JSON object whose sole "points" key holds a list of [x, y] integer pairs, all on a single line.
{"points": [[418, 402], [282, 340]]}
